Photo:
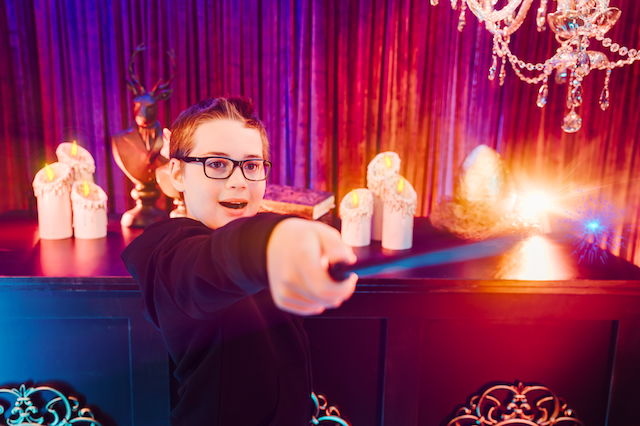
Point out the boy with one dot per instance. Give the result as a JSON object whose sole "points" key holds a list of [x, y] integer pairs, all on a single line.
{"points": [[224, 285]]}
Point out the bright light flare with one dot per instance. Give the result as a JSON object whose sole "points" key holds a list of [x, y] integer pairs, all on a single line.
{"points": [[388, 161], [354, 198], [86, 189], [50, 174], [536, 202], [401, 186], [74, 148]]}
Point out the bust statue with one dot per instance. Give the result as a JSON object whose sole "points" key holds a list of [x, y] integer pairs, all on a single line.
{"points": [[137, 149]]}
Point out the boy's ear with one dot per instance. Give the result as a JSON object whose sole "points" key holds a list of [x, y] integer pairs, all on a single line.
{"points": [[175, 174]]}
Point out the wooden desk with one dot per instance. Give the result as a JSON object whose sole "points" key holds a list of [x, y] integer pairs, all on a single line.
{"points": [[404, 350]]}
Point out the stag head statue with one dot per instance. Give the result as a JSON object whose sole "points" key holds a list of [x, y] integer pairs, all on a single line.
{"points": [[145, 104], [137, 149]]}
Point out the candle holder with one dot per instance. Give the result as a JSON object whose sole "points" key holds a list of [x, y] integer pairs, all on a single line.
{"points": [[356, 210], [384, 164], [51, 187], [400, 205], [82, 163], [89, 203]]}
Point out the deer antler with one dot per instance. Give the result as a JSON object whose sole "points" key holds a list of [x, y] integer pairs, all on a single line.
{"points": [[160, 87], [133, 83]]}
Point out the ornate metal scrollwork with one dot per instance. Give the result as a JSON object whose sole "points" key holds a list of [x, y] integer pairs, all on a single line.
{"points": [[57, 409], [325, 413], [516, 405]]}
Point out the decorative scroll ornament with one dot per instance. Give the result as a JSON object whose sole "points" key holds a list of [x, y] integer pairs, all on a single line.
{"points": [[58, 410], [575, 23], [516, 405], [326, 415]]}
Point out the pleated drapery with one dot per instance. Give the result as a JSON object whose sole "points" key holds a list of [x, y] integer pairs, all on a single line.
{"points": [[335, 82]]}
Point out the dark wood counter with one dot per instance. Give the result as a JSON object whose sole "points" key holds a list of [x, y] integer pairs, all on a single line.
{"points": [[406, 349]]}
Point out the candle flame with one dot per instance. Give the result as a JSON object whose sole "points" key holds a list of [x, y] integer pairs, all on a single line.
{"points": [[388, 161], [86, 188], [50, 174], [74, 148], [355, 199], [400, 186]]}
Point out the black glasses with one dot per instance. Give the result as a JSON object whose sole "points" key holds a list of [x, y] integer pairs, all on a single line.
{"points": [[254, 169]]}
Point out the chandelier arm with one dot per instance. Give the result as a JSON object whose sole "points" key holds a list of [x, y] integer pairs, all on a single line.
{"points": [[515, 25], [494, 15]]}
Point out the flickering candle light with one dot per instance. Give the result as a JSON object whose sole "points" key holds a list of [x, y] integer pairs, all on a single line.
{"points": [[79, 159], [89, 203], [356, 209], [400, 204], [51, 186], [384, 164]]}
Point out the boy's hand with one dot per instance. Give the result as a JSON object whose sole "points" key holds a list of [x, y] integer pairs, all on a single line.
{"points": [[298, 257]]}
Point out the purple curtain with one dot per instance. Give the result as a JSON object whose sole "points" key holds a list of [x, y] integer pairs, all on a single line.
{"points": [[335, 81]]}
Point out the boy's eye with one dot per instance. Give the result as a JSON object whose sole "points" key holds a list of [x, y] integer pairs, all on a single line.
{"points": [[217, 164], [252, 166]]}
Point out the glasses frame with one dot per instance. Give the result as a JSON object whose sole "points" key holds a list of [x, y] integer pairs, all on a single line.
{"points": [[235, 164]]}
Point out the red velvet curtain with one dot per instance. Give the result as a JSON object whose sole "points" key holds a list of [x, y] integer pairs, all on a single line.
{"points": [[335, 81]]}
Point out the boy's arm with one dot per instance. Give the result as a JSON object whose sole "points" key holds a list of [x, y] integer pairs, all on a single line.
{"points": [[203, 272], [206, 273]]}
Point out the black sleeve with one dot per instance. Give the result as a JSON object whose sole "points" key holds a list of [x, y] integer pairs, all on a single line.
{"points": [[201, 270]]}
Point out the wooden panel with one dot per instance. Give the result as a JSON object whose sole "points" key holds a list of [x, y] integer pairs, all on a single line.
{"points": [[95, 343], [348, 365], [461, 356]]}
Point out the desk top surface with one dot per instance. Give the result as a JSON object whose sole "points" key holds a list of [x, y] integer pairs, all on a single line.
{"points": [[540, 259]]}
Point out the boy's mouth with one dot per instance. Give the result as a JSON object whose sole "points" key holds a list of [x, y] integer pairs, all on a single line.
{"points": [[236, 205]]}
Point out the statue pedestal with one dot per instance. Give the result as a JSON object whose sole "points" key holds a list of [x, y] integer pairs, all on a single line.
{"points": [[180, 210], [145, 212]]}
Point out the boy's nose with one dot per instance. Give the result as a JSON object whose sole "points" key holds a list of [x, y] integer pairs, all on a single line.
{"points": [[237, 179]]}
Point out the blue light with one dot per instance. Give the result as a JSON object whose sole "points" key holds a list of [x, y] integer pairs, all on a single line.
{"points": [[593, 229]]}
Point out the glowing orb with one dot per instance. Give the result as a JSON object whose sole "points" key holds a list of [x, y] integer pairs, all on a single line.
{"points": [[592, 227]]}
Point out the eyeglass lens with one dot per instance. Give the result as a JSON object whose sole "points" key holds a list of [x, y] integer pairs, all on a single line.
{"points": [[222, 168]]}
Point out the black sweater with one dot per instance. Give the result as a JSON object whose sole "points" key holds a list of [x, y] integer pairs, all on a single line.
{"points": [[240, 360]]}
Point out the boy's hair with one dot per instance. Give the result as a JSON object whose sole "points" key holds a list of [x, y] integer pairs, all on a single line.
{"points": [[231, 108]]}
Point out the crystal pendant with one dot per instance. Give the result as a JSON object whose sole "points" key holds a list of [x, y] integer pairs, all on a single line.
{"points": [[541, 19], [493, 69], [461, 19], [454, 4], [572, 122], [543, 93], [583, 65], [561, 76], [604, 99], [503, 71], [434, 2], [577, 95]]}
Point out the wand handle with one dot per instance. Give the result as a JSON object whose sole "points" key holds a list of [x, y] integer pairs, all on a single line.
{"points": [[340, 271]]}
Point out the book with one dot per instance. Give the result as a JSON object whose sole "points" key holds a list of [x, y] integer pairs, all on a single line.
{"points": [[307, 203]]}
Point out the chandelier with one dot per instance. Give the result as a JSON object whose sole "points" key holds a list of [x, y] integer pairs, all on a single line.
{"points": [[576, 23]]}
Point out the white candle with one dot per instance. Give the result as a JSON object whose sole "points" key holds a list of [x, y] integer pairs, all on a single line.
{"points": [[356, 209], [51, 187], [79, 159], [384, 164], [89, 203], [400, 204]]}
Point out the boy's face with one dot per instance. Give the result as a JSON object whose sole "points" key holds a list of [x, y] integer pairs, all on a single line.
{"points": [[211, 201]]}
